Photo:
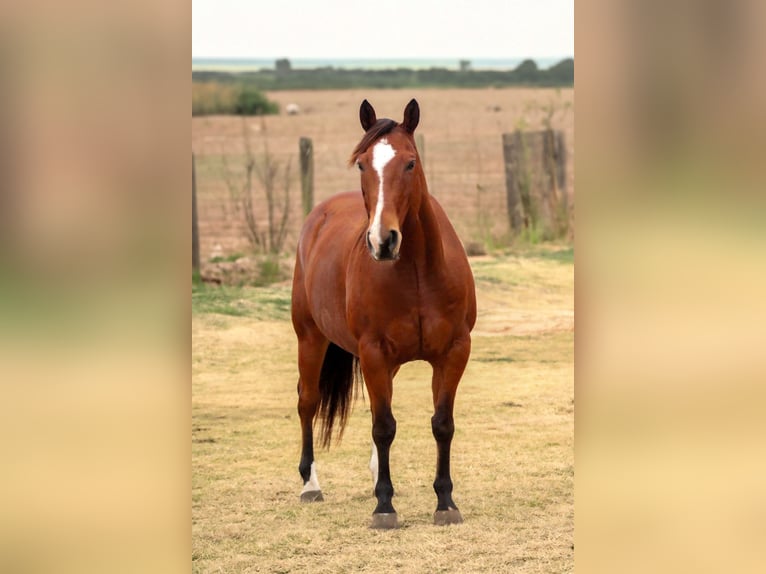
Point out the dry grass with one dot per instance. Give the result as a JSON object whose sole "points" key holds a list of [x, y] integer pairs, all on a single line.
{"points": [[512, 453], [212, 97]]}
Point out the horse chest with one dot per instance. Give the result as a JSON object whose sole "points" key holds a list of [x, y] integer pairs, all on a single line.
{"points": [[409, 324]]}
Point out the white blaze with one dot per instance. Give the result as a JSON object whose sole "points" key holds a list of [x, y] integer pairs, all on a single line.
{"points": [[313, 483], [374, 465], [382, 153]]}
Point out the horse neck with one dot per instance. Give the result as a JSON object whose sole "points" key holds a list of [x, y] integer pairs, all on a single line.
{"points": [[422, 241]]}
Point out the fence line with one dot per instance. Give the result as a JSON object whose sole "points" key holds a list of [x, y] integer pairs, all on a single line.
{"points": [[457, 167], [535, 178]]}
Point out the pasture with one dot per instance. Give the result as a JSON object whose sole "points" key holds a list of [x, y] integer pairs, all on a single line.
{"points": [[512, 455], [463, 156]]}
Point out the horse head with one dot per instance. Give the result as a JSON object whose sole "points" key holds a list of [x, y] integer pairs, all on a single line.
{"points": [[392, 178]]}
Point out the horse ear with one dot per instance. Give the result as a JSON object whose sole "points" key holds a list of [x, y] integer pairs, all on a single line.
{"points": [[367, 115], [411, 116]]}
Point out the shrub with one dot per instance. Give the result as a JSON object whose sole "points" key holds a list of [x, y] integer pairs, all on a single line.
{"points": [[251, 102], [210, 98]]}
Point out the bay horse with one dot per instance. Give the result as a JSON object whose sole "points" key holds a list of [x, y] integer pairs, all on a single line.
{"points": [[381, 279]]}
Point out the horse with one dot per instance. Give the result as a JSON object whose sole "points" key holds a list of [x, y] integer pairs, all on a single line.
{"points": [[381, 279]]}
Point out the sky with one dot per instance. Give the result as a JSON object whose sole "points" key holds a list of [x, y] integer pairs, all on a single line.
{"points": [[382, 29]]}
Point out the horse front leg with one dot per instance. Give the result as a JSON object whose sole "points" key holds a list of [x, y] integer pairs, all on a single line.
{"points": [[446, 377], [378, 380]]}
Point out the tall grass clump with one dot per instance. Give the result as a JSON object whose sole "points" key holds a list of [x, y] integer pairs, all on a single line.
{"points": [[274, 177], [215, 98]]}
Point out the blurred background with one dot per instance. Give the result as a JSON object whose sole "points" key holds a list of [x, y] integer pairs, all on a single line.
{"points": [[669, 440]]}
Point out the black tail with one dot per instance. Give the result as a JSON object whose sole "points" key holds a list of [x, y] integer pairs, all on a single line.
{"points": [[340, 372]]}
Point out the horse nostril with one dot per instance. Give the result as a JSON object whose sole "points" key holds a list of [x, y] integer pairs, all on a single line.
{"points": [[369, 243], [393, 239]]}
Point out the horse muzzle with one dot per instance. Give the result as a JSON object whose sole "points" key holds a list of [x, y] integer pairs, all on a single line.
{"points": [[387, 249]]}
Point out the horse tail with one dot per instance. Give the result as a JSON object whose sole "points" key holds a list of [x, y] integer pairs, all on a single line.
{"points": [[340, 377]]}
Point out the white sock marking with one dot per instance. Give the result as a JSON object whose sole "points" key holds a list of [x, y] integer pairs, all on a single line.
{"points": [[374, 465], [313, 483], [382, 153]]}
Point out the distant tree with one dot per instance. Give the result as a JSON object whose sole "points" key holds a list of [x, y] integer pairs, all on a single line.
{"points": [[527, 71], [563, 72]]}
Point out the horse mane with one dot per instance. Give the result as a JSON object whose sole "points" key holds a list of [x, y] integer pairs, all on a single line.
{"points": [[382, 127]]}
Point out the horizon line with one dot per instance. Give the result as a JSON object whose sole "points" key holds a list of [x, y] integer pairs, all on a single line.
{"points": [[360, 58]]}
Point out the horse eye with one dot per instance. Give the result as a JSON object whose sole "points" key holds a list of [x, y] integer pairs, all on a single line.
{"points": [[411, 165], [360, 166]]}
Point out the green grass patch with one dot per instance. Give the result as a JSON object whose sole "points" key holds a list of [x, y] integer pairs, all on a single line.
{"points": [[263, 303], [555, 251], [565, 255], [223, 300], [226, 258], [269, 272]]}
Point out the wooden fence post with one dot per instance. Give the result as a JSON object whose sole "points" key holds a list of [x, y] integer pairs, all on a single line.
{"points": [[195, 224], [561, 168], [307, 174], [511, 145], [535, 180]]}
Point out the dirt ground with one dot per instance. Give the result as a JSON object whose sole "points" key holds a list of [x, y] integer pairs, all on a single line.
{"points": [[463, 156], [512, 462]]}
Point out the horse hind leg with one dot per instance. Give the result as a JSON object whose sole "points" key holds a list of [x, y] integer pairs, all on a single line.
{"points": [[311, 351]]}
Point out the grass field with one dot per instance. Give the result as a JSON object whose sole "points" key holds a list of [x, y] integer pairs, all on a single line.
{"points": [[513, 461]]}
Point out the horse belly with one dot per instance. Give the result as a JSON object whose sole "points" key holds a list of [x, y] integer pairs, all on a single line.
{"points": [[326, 294], [334, 326]]}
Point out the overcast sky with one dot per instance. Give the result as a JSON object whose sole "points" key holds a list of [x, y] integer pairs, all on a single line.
{"points": [[385, 29]]}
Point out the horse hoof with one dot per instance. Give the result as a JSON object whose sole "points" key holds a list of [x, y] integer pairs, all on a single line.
{"points": [[312, 496], [384, 521], [444, 517]]}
